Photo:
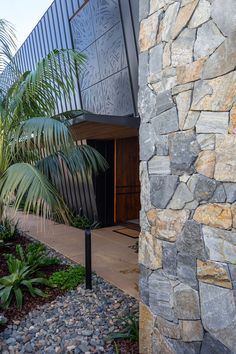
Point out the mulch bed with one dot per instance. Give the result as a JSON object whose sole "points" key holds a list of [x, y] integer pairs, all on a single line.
{"points": [[126, 346], [13, 314]]}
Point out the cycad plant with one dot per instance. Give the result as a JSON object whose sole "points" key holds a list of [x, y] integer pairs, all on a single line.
{"points": [[33, 140]]}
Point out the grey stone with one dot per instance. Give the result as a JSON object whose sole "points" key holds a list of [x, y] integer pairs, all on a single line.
{"points": [[191, 120], [191, 205], [147, 103], [164, 102], [3, 319], [145, 187], [230, 189], [169, 257], [147, 141], [186, 302], [162, 190], [184, 150], [218, 311], [143, 9], [201, 14], [162, 147], [201, 90], [159, 165], [184, 348], [182, 47], [144, 274], [143, 68], [208, 39], [181, 197], [225, 20], [181, 88], [190, 241], [222, 60], [232, 270], [166, 122], [169, 21], [187, 270], [211, 345], [183, 101], [202, 187], [167, 328], [155, 61], [219, 195], [213, 122], [220, 244], [206, 141]]}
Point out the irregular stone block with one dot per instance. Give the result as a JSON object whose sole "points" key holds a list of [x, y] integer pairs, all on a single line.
{"points": [[191, 331], [190, 72], [155, 59], [181, 197], [213, 122], [209, 96], [230, 190], [143, 68], [201, 14], [148, 32], [190, 241], [191, 120], [186, 302], [164, 102], [222, 60], [184, 150], [206, 141], [159, 165], [183, 17], [214, 273], [166, 122], [145, 187], [211, 345], [224, 19], [183, 101], [144, 275], [202, 187], [169, 20], [169, 224], [147, 103], [181, 88], [167, 328], [218, 312], [187, 270], [225, 168], [215, 215], [146, 328], [208, 39], [169, 257], [162, 190], [163, 345], [232, 270], [219, 195], [161, 143], [182, 47], [167, 55], [143, 9], [205, 163], [232, 124], [147, 141], [220, 244], [150, 251]]}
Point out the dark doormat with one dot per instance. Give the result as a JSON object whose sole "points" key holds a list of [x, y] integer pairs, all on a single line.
{"points": [[128, 232]]}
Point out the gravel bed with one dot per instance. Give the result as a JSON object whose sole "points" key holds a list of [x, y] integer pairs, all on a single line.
{"points": [[78, 322]]}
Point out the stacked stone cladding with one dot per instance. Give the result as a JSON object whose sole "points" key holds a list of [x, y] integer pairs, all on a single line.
{"points": [[187, 104]]}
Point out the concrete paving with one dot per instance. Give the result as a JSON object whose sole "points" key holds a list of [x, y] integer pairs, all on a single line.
{"points": [[113, 260]]}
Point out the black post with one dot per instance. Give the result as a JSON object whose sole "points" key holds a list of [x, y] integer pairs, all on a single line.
{"points": [[88, 258]]}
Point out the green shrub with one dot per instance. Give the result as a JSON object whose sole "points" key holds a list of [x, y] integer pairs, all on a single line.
{"points": [[20, 279], [68, 279], [81, 222], [131, 329], [8, 229]]}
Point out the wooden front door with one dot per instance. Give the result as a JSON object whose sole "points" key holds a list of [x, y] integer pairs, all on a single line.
{"points": [[127, 185]]}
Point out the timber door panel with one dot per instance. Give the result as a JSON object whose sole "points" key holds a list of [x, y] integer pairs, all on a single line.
{"points": [[127, 185]]}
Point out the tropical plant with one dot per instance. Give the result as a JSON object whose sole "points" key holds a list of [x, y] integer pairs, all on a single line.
{"points": [[68, 279], [130, 331], [34, 142], [82, 222], [8, 229], [7, 42], [34, 256], [20, 279]]}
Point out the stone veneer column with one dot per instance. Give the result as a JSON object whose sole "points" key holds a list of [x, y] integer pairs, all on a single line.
{"points": [[187, 104]]}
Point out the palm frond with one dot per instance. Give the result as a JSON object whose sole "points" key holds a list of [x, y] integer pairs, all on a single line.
{"points": [[23, 182], [7, 42]]}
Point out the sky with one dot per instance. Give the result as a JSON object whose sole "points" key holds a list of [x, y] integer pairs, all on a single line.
{"points": [[23, 14]]}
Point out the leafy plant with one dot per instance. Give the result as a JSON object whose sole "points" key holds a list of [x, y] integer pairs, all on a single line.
{"points": [[34, 256], [8, 229], [20, 279], [68, 279], [131, 330], [81, 222]]}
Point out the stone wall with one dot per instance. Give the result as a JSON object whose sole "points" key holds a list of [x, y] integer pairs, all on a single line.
{"points": [[187, 104]]}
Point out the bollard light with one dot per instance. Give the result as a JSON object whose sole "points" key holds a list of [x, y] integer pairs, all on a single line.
{"points": [[88, 258]]}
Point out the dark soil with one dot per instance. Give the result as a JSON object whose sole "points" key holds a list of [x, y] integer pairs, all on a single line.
{"points": [[30, 303], [125, 346]]}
